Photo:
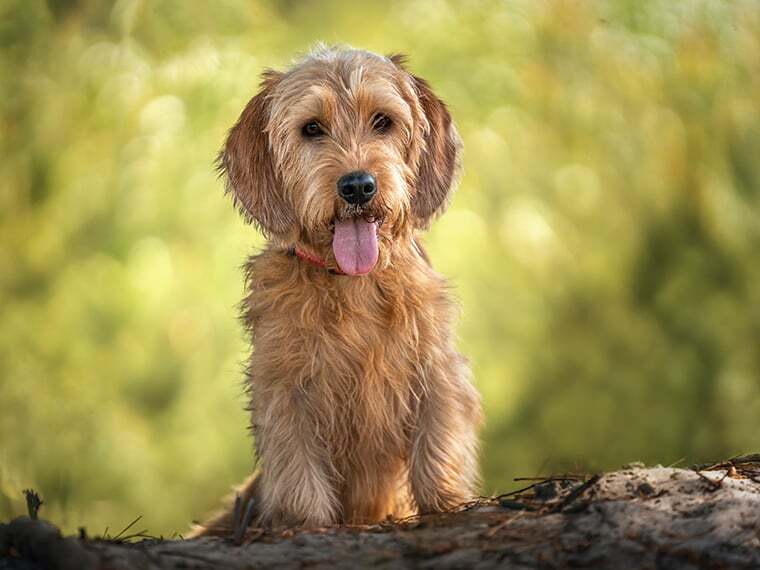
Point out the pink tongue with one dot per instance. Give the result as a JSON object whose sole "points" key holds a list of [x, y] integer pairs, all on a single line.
{"points": [[355, 246]]}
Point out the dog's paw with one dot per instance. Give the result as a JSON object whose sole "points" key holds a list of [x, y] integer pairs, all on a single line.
{"points": [[440, 501]]}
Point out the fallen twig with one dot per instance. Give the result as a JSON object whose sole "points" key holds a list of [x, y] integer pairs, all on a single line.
{"points": [[576, 493]]}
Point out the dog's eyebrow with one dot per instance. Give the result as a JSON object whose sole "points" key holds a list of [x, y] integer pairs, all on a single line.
{"points": [[314, 102], [384, 98]]}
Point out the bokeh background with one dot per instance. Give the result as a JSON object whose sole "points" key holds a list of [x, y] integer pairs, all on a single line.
{"points": [[605, 240]]}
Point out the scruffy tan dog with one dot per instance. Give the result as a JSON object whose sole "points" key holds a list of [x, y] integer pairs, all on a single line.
{"points": [[361, 406]]}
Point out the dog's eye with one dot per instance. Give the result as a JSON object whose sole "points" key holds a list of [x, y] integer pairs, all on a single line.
{"points": [[312, 129], [381, 123]]}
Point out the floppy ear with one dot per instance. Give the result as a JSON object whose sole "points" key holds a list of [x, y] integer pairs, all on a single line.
{"points": [[440, 158], [246, 160]]}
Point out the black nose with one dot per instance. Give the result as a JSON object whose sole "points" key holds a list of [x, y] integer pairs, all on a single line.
{"points": [[357, 187]]}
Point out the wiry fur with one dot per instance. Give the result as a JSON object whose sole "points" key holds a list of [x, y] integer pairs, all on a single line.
{"points": [[361, 406]]}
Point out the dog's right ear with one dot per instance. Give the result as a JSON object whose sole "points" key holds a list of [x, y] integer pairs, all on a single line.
{"points": [[246, 160]]}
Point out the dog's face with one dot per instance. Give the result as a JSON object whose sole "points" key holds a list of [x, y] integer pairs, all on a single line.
{"points": [[346, 153]]}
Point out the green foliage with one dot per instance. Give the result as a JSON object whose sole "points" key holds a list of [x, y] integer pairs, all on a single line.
{"points": [[605, 241]]}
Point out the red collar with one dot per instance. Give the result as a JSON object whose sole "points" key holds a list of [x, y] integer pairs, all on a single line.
{"points": [[312, 259]]}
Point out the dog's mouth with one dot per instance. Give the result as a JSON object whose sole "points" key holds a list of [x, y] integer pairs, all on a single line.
{"points": [[354, 241]]}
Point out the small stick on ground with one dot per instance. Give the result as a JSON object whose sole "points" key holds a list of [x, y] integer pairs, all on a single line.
{"points": [[576, 493]]}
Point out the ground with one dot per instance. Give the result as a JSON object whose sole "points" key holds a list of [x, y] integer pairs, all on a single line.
{"points": [[704, 517]]}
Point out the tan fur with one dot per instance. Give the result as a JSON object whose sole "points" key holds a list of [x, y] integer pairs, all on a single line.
{"points": [[361, 406]]}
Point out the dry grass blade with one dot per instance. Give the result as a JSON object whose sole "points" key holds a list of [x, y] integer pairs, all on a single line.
{"points": [[121, 536]]}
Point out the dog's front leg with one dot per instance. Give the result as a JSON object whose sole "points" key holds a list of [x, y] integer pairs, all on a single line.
{"points": [[296, 483], [443, 465]]}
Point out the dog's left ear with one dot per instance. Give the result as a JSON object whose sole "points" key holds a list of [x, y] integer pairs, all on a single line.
{"points": [[440, 158]]}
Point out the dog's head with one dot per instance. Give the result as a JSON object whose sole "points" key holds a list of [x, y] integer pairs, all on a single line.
{"points": [[346, 153]]}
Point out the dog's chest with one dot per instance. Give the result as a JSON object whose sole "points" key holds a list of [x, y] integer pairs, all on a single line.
{"points": [[351, 357], [365, 336]]}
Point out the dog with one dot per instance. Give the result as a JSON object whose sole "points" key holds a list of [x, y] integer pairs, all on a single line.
{"points": [[361, 407]]}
